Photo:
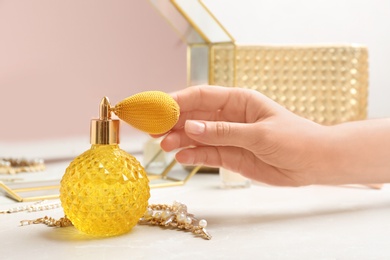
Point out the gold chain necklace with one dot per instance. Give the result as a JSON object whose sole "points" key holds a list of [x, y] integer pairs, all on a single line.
{"points": [[169, 216]]}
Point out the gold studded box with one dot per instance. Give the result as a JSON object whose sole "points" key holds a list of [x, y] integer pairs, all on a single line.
{"points": [[324, 83], [327, 84]]}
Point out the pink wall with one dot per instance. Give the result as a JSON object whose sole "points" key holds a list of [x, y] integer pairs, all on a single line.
{"points": [[59, 58]]}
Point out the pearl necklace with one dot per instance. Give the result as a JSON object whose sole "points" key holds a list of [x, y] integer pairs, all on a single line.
{"points": [[37, 206]]}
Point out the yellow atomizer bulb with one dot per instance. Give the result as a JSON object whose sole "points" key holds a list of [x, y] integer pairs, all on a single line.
{"points": [[105, 190]]}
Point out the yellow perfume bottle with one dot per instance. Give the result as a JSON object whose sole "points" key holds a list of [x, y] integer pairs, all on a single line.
{"points": [[105, 190]]}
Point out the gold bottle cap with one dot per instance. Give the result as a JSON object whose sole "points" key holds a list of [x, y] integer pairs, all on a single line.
{"points": [[105, 130]]}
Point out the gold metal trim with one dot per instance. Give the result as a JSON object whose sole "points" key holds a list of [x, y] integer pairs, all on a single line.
{"points": [[211, 61], [216, 20], [235, 66], [182, 36], [196, 28], [188, 65], [15, 193]]}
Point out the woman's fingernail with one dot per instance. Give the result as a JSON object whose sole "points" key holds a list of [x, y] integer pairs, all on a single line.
{"points": [[195, 127]]}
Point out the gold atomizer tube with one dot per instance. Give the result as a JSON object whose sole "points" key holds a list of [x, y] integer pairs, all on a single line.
{"points": [[105, 130]]}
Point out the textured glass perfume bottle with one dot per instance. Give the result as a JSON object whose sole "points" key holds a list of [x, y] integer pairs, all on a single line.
{"points": [[105, 190]]}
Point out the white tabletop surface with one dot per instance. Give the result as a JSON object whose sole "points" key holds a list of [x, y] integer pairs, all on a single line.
{"points": [[260, 222]]}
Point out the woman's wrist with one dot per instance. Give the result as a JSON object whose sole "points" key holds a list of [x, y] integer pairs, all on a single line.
{"points": [[356, 152]]}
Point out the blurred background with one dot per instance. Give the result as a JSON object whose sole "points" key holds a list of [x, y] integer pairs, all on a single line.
{"points": [[59, 58]]}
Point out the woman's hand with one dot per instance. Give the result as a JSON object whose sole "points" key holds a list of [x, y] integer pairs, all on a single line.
{"points": [[246, 132]]}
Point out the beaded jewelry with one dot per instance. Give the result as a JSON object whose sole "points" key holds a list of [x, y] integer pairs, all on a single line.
{"points": [[37, 206], [175, 216], [13, 166]]}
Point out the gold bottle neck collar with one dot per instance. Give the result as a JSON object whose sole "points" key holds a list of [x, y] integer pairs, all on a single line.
{"points": [[105, 130]]}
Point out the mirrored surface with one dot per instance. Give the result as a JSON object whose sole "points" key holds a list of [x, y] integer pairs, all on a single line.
{"points": [[177, 21], [192, 20]]}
